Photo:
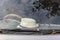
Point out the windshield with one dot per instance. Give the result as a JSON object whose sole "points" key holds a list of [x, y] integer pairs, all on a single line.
{"points": [[30, 16]]}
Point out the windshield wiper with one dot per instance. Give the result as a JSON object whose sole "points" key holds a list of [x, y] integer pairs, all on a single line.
{"points": [[19, 31]]}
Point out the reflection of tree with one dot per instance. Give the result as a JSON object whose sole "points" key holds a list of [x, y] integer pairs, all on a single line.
{"points": [[46, 4]]}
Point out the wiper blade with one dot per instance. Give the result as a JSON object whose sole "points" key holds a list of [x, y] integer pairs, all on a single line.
{"points": [[29, 32], [18, 31]]}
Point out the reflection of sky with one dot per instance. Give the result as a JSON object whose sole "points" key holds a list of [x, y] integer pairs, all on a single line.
{"points": [[23, 8]]}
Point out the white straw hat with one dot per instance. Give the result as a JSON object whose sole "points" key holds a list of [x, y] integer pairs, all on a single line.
{"points": [[28, 23]]}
